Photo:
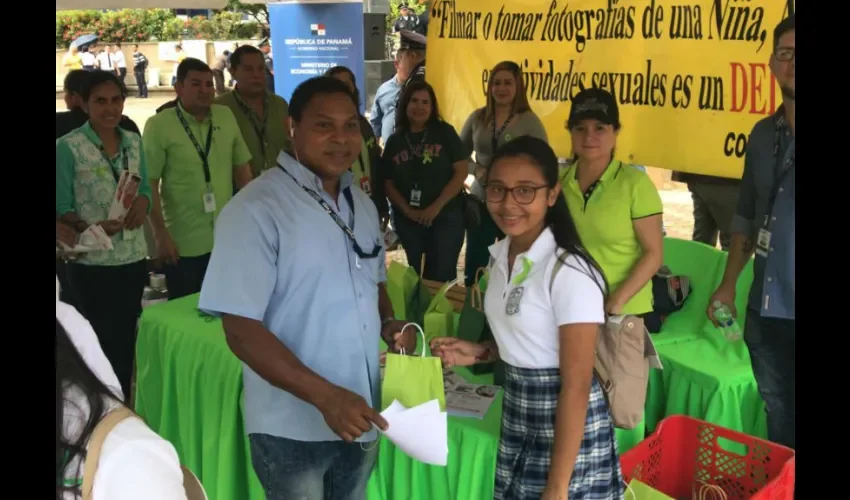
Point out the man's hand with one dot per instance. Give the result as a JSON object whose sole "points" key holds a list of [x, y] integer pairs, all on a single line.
{"points": [[725, 295], [66, 234], [138, 211], [430, 213], [166, 250], [111, 226], [400, 339], [348, 414]]}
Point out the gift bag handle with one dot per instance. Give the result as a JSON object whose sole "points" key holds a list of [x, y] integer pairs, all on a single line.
{"points": [[421, 333]]}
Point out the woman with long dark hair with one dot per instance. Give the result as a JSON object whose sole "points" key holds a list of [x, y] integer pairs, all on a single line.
{"points": [[365, 169], [90, 161], [134, 462], [506, 116], [544, 304], [424, 166]]}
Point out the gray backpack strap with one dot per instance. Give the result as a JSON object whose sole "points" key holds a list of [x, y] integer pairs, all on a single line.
{"points": [[558, 265]]}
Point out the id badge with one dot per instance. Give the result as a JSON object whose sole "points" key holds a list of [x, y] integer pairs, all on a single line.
{"points": [[365, 186], [209, 202], [763, 242], [415, 198]]}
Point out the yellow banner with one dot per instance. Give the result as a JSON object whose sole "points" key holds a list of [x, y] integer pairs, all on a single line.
{"points": [[691, 77]]}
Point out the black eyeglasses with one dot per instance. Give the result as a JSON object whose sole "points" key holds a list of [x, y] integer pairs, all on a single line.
{"points": [[523, 195], [785, 54]]}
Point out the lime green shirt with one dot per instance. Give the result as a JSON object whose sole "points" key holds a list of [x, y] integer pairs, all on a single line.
{"points": [[174, 161], [264, 150], [85, 185], [604, 220]]}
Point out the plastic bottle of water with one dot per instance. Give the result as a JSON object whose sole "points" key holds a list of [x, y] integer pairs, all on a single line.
{"points": [[730, 328], [156, 292]]}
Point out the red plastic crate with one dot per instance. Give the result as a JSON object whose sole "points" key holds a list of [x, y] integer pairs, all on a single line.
{"points": [[684, 451]]}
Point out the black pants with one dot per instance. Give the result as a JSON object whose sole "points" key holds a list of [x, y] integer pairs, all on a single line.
{"points": [[440, 243], [140, 81], [186, 277], [122, 74], [110, 297]]}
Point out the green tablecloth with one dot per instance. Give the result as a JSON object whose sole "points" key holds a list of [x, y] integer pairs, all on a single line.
{"points": [[189, 389]]}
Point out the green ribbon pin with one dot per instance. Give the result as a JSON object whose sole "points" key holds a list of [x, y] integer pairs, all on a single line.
{"points": [[426, 157], [526, 269], [508, 137], [370, 142]]}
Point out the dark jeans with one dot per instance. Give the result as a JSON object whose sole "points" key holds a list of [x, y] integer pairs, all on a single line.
{"points": [[186, 277], [141, 82], [772, 344], [440, 243], [66, 294], [122, 74], [714, 208], [110, 297], [478, 240], [302, 470]]}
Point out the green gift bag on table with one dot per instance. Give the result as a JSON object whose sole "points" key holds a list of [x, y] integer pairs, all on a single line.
{"points": [[473, 322], [410, 298], [413, 380], [439, 317]]}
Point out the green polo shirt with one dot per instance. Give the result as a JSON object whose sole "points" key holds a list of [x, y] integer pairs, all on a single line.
{"points": [[276, 137], [173, 159], [604, 220]]}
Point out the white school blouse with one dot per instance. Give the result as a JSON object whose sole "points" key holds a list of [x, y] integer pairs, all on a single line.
{"points": [[523, 316]]}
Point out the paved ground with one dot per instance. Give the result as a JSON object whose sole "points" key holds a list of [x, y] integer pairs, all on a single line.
{"points": [[678, 215]]}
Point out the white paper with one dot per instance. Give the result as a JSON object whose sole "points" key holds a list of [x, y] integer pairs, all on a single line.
{"points": [[421, 431], [92, 239], [464, 399]]}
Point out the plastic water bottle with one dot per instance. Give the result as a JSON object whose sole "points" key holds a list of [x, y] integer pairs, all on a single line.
{"points": [[156, 292], [730, 328]]}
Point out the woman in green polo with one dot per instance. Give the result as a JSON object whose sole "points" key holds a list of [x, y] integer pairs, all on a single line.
{"points": [[423, 167], [89, 163], [616, 208]]}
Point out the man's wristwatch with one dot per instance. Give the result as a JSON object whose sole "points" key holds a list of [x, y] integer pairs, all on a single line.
{"points": [[386, 320]]}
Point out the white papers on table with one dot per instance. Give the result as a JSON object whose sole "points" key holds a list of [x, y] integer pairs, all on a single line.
{"points": [[421, 431]]}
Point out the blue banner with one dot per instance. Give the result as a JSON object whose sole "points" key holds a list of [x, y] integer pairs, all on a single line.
{"points": [[310, 38]]}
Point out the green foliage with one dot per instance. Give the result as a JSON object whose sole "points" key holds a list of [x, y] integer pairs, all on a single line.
{"points": [[142, 25]]}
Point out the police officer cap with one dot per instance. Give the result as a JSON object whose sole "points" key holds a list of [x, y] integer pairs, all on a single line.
{"points": [[412, 41]]}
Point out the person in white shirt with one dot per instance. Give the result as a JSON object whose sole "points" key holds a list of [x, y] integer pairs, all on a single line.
{"points": [[105, 61], [544, 303], [88, 59], [135, 463], [119, 62]]}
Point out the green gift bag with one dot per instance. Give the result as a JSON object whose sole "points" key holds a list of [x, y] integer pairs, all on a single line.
{"points": [[402, 285], [413, 380], [637, 490], [439, 317], [472, 321]]}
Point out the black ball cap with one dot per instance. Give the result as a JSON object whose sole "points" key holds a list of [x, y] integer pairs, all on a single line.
{"points": [[596, 104]]}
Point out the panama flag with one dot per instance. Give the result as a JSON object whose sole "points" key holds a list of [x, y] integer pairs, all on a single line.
{"points": [[317, 29]]}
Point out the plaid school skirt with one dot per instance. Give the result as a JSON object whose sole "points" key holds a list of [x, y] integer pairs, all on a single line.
{"points": [[528, 436]]}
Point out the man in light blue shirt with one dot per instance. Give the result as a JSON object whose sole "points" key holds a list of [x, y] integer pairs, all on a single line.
{"points": [[297, 274], [382, 117], [765, 225]]}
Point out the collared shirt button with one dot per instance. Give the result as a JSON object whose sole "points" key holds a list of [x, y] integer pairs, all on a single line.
{"points": [[773, 218], [781, 189], [769, 279]]}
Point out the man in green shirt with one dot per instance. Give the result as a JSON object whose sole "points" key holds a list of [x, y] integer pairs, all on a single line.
{"points": [[196, 156], [262, 116]]}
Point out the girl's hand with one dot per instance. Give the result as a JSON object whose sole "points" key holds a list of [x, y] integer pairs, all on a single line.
{"points": [[555, 493], [457, 352]]}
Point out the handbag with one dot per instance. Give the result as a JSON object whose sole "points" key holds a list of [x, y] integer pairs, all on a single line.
{"points": [[413, 380]]}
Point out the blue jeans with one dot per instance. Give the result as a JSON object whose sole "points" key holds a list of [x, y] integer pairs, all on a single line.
{"points": [[772, 344], [440, 243], [306, 470]]}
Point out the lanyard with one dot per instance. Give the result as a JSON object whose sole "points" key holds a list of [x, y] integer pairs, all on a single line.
{"points": [[342, 225], [782, 166], [259, 128], [501, 130], [203, 154], [419, 153], [124, 158]]}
